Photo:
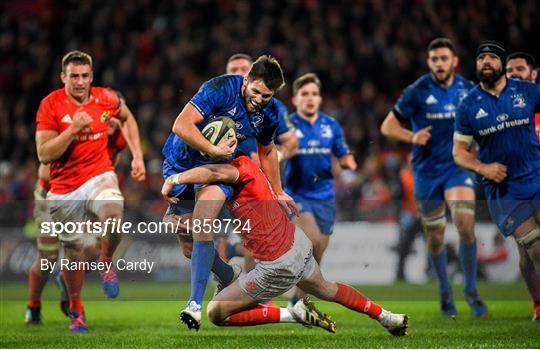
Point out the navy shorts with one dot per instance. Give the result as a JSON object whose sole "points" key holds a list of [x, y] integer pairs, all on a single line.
{"points": [[429, 191], [324, 212]]}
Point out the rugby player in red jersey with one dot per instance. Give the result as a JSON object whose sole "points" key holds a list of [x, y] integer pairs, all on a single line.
{"points": [[71, 135], [284, 257], [521, 65], [48, 247]]}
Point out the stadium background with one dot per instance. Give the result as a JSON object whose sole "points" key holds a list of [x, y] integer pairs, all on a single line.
{"points": [[158, 53]]}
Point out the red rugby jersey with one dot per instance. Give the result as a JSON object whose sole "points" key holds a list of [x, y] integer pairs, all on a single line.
{"points": [[271, 232], [87, 154]]}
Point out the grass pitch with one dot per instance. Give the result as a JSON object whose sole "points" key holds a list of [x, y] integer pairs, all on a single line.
{"points": [[146, 316]]}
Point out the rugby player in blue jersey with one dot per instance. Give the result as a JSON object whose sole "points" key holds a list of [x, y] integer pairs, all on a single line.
{"points": [[521, 65], [429, 104], [499, 115], [308, 176], [248, 101], [240, 63]]}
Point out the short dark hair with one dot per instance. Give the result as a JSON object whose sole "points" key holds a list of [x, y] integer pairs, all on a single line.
{"points": [[441, 42], [524, 55], [267, 69], [305, 79], [76, 57], [240, 56]]}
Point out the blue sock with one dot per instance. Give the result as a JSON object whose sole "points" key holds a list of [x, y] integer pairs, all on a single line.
{"points": [[439, 262], [295, 298], [230, 251], [202, 258], [223, 271], [467, 258]]}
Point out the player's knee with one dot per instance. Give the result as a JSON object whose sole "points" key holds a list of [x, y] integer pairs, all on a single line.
{"points": [[213, 311]]}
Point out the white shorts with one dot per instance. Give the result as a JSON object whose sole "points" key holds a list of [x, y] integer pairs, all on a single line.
{"points": [[270, 279], [84, 203]]}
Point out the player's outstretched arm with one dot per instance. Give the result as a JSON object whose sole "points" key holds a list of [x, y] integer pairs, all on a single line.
{"points": [[204, 174], [464, 157], [130, 129], [51, 145], [185, 127]]}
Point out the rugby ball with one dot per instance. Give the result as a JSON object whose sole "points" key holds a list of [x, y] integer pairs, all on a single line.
{"points": [[219, 130]]}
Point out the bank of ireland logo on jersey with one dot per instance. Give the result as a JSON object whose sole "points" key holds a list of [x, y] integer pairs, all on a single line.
{"points": [[502, 117]]}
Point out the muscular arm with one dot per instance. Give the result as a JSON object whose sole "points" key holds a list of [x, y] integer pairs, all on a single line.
{"points": [[288, 145], [269, 165], [130, 130], [391, 128], [51, 145], [463, 156], [207, 174], [185, 127]]}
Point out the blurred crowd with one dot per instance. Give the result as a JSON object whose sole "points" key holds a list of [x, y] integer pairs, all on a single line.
{"points": [[157, 53]]}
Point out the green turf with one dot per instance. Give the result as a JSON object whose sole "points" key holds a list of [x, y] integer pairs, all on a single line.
{"points": [[148, 319]]}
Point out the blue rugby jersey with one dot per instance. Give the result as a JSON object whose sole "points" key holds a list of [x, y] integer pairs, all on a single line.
{"points": [[221, 97], [309, 173], [426, 103], [503, 127]]}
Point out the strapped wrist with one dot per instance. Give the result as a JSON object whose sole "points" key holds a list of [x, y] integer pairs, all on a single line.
{"points": [[174, 179]]}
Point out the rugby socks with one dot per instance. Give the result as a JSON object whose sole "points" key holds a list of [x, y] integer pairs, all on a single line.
{"points": [[223, 271], [467, 258], [260, 314], [532, 281], [438, 262], [74, 281], [36, 283], [202, 259], [354, 300], [107, 249]]}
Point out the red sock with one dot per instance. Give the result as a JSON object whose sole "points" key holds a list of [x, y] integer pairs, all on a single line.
{"points": [[107, 249], [74, 282], [354, 300], [532, 281], [36, 283], [260, 314]]}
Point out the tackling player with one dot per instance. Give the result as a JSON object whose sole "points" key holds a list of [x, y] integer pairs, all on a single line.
{"points": [[521, 65], [284, 254], [248, 101], [429, 104], [499, 115], [309, 177], [71, 136]]}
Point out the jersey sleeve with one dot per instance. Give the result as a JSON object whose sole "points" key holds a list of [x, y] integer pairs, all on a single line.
{"points": [[406, 106], [211, 95], [112, 98], [45, 118], [339, 147], [284, 123], [463, 130]]}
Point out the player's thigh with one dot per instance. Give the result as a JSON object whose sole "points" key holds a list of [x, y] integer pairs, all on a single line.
{"points": [[429, 195], [527, 235], [308, 224], [106, 200], [208, 204], [48, 247], [229, 301]]}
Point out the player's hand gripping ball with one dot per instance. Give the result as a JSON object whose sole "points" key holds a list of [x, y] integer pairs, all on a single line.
{"points": [[219, 130]]}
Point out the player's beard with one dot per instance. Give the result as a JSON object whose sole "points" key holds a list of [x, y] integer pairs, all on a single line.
{"points": [[489, 79]]}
